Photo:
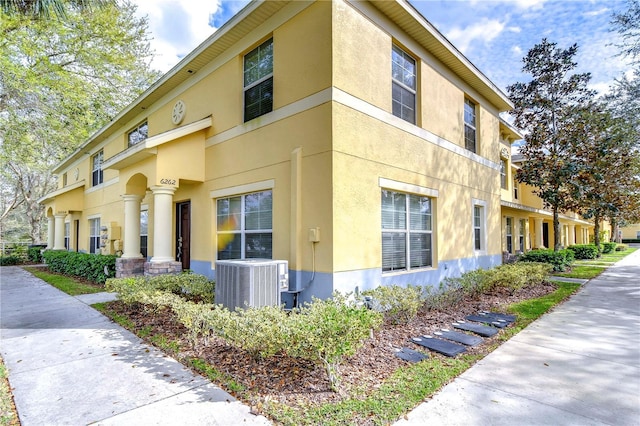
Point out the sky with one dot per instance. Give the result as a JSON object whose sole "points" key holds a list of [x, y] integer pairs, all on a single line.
{"points": [[493, 34]]}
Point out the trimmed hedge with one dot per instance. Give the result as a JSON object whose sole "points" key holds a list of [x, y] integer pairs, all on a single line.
{"points": [[10, 260], [189, 285], [89, 266], [561, 259], [609, 247], [584, 251]]}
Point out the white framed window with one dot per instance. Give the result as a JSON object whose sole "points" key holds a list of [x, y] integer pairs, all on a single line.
{"points": [[479, 221], [470, 141], [515, 189], [509, 234], [144, 232], [503, 174], [244, 226], [521, 235], [138, 134], [96, 168], [403, 94], [94, 235], [67, 236], [258, 81], [407, 228]]}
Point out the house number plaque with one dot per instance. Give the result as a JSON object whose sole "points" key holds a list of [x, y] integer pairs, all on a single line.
{"points": [[168, 181]]}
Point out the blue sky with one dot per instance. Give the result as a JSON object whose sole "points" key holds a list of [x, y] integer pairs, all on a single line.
{"points": [[494, 34]]}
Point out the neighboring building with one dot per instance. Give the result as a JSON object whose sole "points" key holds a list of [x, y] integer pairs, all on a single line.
{"points": [[630, 232], [526, 223], [349, 138]]}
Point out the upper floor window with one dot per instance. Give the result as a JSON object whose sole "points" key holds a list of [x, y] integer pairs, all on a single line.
{"points": [[470, 125], [137, 135], [245, 226], [406, 231], [96, 168], [258, 81], [64, 179], [503, 174], [515, 189], [403, 72]]}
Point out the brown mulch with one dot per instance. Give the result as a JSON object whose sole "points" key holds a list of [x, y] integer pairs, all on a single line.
{"points": [[294, 381]]}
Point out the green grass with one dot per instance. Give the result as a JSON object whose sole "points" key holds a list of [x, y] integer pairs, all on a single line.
{"points": [[67, 284], [582, 271]]}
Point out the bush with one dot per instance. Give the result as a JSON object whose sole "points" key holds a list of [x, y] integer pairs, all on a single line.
{"points": [[34, 254], [93, 267], [399, 305], [561, 259], [515, 276], [12, 259], [191, 286], [584, 251], [621, 247], [608, 247]]}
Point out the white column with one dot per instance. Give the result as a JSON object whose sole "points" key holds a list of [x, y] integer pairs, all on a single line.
{"points": [[538, 232], [58, 240], [51, 227], [162, 213], [131, 226], [572, 235]]}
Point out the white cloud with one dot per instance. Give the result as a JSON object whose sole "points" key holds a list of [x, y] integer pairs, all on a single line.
{"points": [[529, 4], [486, 30], [177, 27], [516, 50], [597, 12]]}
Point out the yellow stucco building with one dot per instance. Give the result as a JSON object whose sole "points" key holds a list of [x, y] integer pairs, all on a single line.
{"points": [[349, 138]]}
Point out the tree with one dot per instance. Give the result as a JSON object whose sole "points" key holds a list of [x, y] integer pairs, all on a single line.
{"points": [[60, 81], [543, 108], [47, 9], [607, 179]]}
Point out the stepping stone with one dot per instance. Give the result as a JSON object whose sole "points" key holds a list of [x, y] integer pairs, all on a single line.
{"points": [[481, 330], [487, 320], [497, 316], [438, 345], [464, 338], [410, 355]]}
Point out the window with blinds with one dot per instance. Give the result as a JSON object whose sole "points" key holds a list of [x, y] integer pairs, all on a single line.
{"points": [[406, 231], [258, 81], [245, 226]]}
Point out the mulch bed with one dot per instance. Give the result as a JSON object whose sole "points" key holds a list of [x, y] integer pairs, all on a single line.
{"points": [[295, 382]]}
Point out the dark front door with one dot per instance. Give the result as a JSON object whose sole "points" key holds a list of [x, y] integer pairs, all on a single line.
{"points": [[545, 235], [183, 234]]}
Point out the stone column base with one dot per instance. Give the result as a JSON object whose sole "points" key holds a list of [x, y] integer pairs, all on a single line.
{"points": [[161, 268], [130, 267]]}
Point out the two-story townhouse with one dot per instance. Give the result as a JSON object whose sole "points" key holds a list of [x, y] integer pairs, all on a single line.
{"points": [[349, 138], [526, 222]]}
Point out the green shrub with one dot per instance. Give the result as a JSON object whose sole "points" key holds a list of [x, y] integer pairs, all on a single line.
{"points": [[621, 247], [561, 259], [608, 247], [192, 286], [34, 254], [9, 260], [514, 276], [584, 251], [93, 267], [399, 305]]}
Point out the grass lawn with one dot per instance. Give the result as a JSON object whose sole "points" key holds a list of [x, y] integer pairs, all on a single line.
{"points": [[67, 284], [585, 272]]}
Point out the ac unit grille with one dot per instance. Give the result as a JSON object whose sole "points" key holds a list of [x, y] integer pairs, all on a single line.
{"points": [[250, 283]]}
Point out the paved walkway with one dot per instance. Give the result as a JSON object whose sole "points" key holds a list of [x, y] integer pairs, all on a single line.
{"points": [[69, 365], [578, 365]]}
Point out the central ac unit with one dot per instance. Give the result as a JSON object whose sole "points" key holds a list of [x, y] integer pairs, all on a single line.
{"points": [[250, 282]]}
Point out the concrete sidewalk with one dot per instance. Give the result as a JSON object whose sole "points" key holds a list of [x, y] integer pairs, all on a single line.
{"points": [[70, 365], [578, 365]]}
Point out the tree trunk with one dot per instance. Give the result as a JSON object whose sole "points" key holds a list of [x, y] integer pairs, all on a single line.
{"points": [[596, 232], [556, 229]]}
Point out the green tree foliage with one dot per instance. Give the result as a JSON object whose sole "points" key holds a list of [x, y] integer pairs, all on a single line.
{"points": [[543, 108], [48, 9], [607, 179], [60, 81]]}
